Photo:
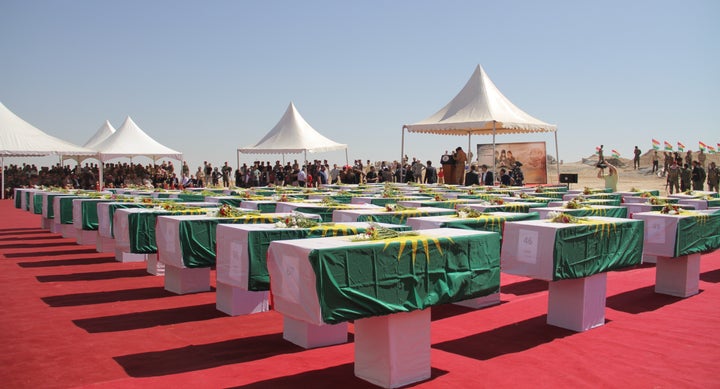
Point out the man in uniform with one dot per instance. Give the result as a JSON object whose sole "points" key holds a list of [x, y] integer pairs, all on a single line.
{"points": [[673, 177]]}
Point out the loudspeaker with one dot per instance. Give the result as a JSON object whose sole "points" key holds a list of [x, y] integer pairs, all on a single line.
{"points": [[569, 178]]}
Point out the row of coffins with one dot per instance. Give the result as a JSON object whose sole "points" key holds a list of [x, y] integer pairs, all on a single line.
{"points": [[383, 255]]}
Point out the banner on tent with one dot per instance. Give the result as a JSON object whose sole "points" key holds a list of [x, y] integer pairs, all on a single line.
{"points": [[532, 155]]}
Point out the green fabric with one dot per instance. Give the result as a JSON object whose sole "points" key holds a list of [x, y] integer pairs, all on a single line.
{"points": [[162, 195], [18, 200], [542, 200], [89, 214], [697, 234], [393, 200], [520, 207], [259, 241], [381, 278], [115, 206], [342, 199], [66, 209], [232, 201], [194, 198], [401, 217], [587, 249], [620, 212], [552, 195], [604, 196], [481, 195], [611, 202], [714, 203], [266, 207], [450, 203], [142, 229], [37, 204], [27, 200], [51, 208], [325, 212], [492, 224], [197, 237]]}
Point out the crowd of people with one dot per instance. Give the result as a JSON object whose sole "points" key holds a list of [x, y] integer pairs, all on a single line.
{"points": [[259, 173], [686, 173]]}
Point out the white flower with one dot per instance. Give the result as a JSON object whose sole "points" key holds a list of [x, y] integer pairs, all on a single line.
{"points": [[462, 214], [280, 224], [553, 214]]}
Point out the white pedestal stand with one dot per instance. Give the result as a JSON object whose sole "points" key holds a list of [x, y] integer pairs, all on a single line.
{"points": [[678, 276], [577, 304], [393, 350], [235, 301]]}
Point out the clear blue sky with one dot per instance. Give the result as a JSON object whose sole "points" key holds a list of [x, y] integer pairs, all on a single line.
{"points": [[205, 77]]}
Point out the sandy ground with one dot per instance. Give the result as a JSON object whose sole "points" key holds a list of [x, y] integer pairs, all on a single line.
{"points": [[628, 177]]}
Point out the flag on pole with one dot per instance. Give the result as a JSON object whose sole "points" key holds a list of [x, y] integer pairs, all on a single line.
{"points": [[656, 144], [615, 154], [597, 150], [711, 149], [668, 146], [702, 145], [681, 147]]}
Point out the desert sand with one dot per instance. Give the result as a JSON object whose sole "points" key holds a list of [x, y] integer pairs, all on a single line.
{"points": [[642, 178]]}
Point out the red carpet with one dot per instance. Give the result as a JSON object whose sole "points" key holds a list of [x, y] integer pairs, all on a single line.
{"points": [[72, 317]]}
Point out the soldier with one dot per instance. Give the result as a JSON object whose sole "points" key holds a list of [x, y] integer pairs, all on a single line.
{"points": [[712, 177], [673, 177]]}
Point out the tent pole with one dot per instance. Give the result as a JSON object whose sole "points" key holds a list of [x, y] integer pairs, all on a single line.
{"points": [[347, 160], [557, 158], [493, 154], [101, 169], [3, 177], [402, 153], [237, 153], [469, 142]]}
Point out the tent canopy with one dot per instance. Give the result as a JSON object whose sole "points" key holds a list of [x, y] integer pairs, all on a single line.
{"points": [[104, 132], [480, 108], [130, 141], [19, 138], [292, 135]]}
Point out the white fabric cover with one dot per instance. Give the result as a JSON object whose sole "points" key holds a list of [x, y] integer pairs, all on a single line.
{"points": [[130, 141], [19, 138], [474, 110], [104, 132], [292, 134]]}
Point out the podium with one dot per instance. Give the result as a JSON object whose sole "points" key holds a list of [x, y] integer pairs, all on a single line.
{"points": [[448, 165]]}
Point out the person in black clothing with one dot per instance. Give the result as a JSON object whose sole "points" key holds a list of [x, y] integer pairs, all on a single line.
{"points": [[505, 178], [431, 176], [472, 177], [486, 177]]}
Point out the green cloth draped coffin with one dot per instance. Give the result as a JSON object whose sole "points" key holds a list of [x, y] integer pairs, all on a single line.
{"points": [[141, 227], [259, 240], [561, 251], [690, 232], [197, 236], [355, 280]]}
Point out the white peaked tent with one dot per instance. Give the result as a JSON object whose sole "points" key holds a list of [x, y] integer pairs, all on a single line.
{"points": [[480, 108], [292, 135], [104, 132], [19, 138], [130, 141], [100, 135]]}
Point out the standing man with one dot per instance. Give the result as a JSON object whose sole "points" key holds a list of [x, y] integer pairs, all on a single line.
{"points": [[636, 159], [698, 176], [460, 160], [226, 170], [486, 177], [685, 178], [655, 161], [431, 176], [712, 177], [673, 176]]}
